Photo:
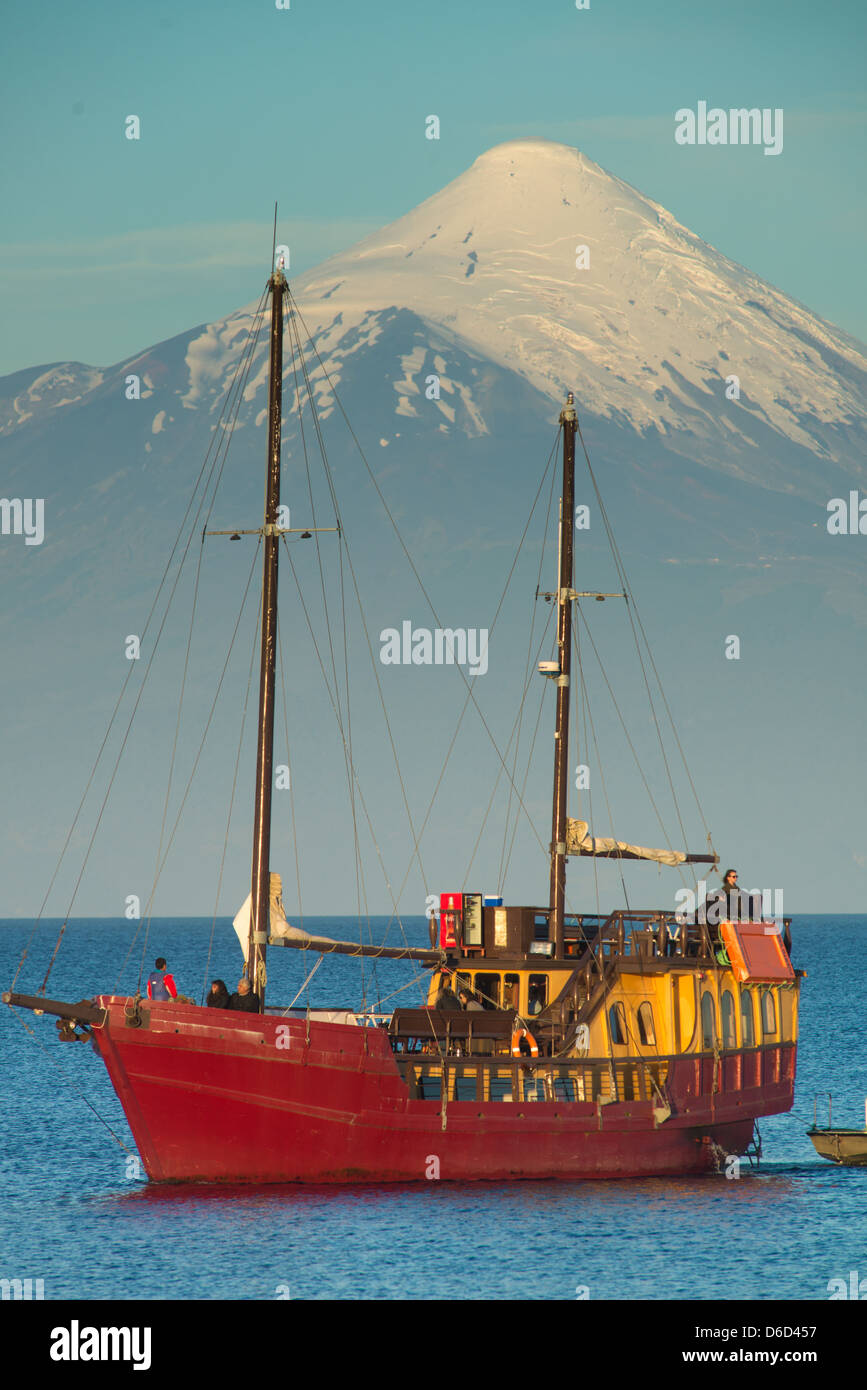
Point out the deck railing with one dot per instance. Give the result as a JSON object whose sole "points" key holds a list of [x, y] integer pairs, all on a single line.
{"points": [[639, 932], [500, 1079], [593, 1079]]}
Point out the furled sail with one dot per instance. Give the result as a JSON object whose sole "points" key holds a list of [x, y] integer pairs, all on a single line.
{"points": [[579, 842], [278, 924]]}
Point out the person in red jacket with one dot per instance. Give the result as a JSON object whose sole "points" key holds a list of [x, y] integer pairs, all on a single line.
{"points": [[161, 985]]}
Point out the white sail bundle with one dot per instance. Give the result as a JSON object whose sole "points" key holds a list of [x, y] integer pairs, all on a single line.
{"points": [[278, 924], [579, 841]]}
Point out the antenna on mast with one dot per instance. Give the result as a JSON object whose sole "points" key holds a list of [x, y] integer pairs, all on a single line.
{"points": [[274, 242]]}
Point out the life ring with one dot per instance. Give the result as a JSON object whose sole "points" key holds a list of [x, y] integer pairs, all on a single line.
{"points": [[520, 1033]]}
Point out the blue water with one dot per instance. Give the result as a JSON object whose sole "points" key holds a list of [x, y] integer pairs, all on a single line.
{"points": [[73, 1216]]}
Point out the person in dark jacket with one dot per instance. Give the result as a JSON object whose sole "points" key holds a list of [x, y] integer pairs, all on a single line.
{"points": [[245, 1000], [219, 995], [735, 904], [446, 999], [723, 904]]}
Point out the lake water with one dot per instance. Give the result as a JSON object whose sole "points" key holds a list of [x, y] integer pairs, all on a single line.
{"points": [[782, 1231]]}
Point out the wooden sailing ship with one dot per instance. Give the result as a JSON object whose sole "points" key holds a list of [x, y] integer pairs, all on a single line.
{"points": [[625, 1044]]}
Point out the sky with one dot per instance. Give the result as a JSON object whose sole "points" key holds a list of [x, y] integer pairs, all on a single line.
{"points": [[108, 245]]}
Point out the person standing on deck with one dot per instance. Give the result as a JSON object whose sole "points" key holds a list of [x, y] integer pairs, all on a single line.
{"points": [[161, 985], [731, 896]]}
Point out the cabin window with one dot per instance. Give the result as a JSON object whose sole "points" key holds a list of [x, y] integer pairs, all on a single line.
{"points": [[462, 981], [500, 1085], [769, 1013], [646, 1030], [617, 1025], [465, 1084], [537, 993], [748, 1032], [511, 986], [488, 990], [540, 927], [727, 1009], [564, 1087], [708, 1020]]}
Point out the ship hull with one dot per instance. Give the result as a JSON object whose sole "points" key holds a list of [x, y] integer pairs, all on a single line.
{"points": [[213, 1096]]}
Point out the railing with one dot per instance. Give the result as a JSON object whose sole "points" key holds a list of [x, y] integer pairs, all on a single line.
{"points": [[499, 1079], [639, 932], [596, 1080], [340, 1013]]}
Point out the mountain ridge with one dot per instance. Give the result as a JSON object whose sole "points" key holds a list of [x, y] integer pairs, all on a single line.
{"points": [[654, 329]]}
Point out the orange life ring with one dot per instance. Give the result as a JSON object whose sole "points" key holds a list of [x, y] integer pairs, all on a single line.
{"points": [[520, 1033]]}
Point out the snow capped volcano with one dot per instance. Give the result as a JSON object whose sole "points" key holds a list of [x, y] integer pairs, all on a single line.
{"points": [[656, 321], [539, 261]]}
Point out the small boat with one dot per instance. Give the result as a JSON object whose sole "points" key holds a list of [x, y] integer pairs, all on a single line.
{"points": [[845, 1146]]}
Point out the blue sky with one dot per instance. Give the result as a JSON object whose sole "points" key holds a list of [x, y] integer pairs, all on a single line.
{"points": [[109, 245]]}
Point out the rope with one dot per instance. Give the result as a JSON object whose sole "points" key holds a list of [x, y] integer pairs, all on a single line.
{"points": [[632, 748], [529, 670], [515, 726], [467, 700], [346, 737], [619, 862], [330, 694], [306, 982], [69, 1083], [199, 481], [203, 739], [630, 606], [174, 744], [291, 795], [232, 802], [412, 565]]}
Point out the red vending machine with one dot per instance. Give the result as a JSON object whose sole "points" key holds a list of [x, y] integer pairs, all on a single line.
{"points": [[451, 920]]}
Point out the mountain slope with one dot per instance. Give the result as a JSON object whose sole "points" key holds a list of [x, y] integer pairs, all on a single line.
{"points": [[452, 336]]}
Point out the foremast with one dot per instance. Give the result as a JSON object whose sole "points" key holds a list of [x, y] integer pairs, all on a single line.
{"points": [[261, 881], [557, 899]]}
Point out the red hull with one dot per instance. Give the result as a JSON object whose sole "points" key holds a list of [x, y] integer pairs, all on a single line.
{"points": [[212, 1096]]}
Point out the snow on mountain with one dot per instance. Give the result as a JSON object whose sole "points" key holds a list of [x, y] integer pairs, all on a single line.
{"points": [[648, 332], [29, 395], [646, 323]]}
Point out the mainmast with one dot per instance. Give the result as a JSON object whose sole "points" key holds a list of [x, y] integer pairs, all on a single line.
{"points": [[564, 652], [261, 888]]}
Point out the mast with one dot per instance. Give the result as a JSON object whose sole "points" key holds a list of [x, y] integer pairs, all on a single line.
{"points": [[261, 885], [564, 651]]}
